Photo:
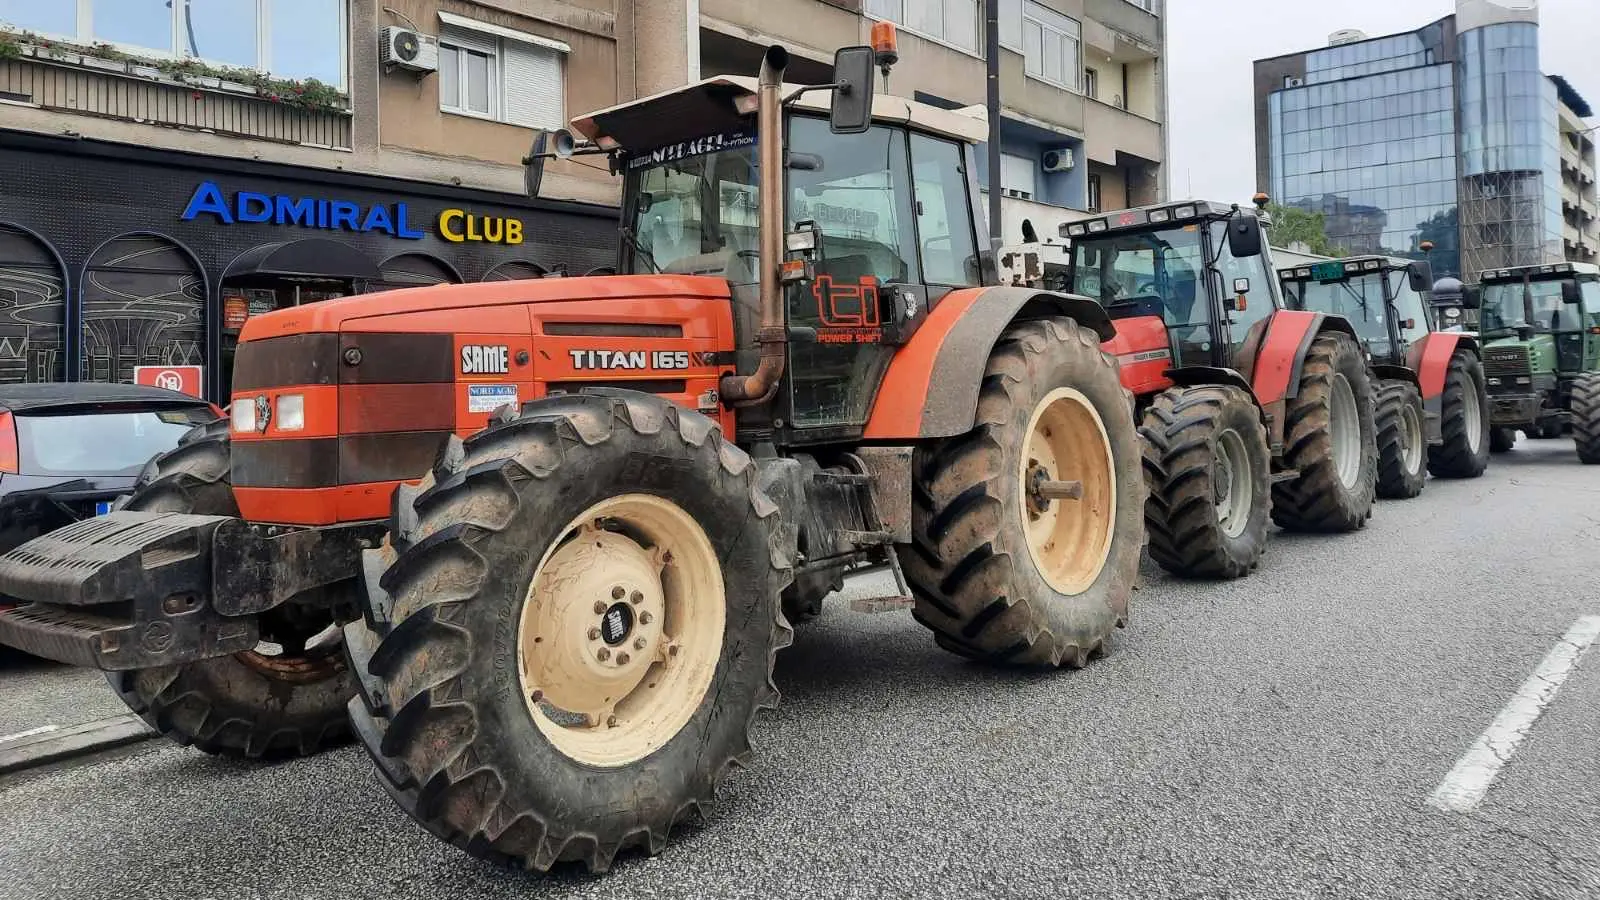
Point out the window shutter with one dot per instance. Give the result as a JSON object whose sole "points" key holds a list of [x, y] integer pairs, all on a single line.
{"points": [[533, 86], [461, 37]]}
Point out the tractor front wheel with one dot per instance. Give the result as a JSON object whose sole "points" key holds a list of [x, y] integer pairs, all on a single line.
{"points": [[1402, 444], [1026, 530], [583, 615], [1501, 440], [1328, 436], [1206, 462], [1586, 417], [1463, 421]]}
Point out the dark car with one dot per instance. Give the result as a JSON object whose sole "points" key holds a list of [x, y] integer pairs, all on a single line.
{"points": [[68, 451]]}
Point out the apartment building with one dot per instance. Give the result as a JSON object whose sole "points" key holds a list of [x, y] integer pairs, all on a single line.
{"points": [[1580, 203], [173, 168]]}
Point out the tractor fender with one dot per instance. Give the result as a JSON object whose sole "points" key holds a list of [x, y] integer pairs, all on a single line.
{"points": [[931, 387], [1430, 358], [1282, 357], [1396, 373], [1191, 376]]}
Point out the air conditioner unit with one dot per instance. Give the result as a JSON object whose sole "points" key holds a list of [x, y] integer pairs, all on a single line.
{"points": [[1294, 82], [1058, 160], [407, 49]]}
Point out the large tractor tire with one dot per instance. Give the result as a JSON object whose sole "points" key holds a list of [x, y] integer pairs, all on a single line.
{"points": [[1206, 464], [1329, 438], [1463, 421], [1501, 440], [1586, 417], [1402, 443], [259, 704], [1004, 567], [583, 616]]}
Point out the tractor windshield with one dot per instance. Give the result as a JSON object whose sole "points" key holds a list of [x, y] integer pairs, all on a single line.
{"points": [[1163, 269], [690, 208], [1507, 305], [1358, 298]]}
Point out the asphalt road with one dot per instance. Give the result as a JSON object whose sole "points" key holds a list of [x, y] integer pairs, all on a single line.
{"points": [[1276, 737]]}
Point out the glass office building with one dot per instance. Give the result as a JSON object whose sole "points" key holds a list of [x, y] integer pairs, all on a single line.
{"points": [[1448, 134]]}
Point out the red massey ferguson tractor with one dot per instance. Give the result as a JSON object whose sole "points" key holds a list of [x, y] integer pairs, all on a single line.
{"points": [[540, 537], [1247, 409]]}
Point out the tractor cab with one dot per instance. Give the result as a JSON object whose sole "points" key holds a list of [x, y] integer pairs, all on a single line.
{"points": [[1383, 298], [1550, 313], [1201, 268]]}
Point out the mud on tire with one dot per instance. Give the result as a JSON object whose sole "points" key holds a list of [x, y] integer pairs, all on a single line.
{"points": [[248, 704], [443, 710], [1463, 421], [1402, 468], [1586, 417], [970, 566], [1206, 463], [1338, 468]]}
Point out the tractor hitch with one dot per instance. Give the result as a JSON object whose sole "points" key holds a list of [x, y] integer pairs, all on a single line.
{"points": [[131, 590]]}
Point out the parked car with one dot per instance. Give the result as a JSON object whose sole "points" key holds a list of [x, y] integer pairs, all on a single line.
{"points": [[68, 451]]}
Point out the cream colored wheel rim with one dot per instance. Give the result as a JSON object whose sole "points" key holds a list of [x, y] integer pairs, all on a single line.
{"points": [[1069, 539], [621, 630]]}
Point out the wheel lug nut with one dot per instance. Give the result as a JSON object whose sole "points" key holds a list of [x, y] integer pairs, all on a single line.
{"points": [[599, 607], [644, 618], [594, 634], [536, 696], [603, 655], [611, 721], [673, 650], [622, 659], [637, 598], [617, 592], [638, 643]]}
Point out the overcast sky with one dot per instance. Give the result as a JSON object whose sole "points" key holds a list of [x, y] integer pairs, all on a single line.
{"points": [[1212, 43]]}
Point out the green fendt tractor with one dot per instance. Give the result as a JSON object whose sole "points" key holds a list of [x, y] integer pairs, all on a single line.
{"points": [[1541, 331]]}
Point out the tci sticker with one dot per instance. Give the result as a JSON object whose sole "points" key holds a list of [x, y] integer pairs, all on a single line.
{"points": [[479, 359], [486, 398]]}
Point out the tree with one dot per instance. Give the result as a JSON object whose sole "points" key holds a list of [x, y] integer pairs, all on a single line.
{"points": [[1292, 225]]}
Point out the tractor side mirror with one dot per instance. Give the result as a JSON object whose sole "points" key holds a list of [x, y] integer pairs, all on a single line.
{"points": [[1420, 274], [852, 94], [1244, 236], [558, 144], [1570, 293]]}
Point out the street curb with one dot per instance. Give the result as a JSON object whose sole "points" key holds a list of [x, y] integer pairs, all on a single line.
{"points": [[66, 743]]}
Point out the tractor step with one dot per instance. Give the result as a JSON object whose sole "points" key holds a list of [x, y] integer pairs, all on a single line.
{"points": [[113, 643], [1281, 477], [881, 604]]}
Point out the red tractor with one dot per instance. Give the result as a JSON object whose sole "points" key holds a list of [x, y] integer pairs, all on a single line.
{"points": [[1248, 411], [543, 539], [1432, 407]]}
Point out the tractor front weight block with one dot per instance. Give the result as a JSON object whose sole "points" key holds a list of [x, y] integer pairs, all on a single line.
{"points": [[132, 590]]}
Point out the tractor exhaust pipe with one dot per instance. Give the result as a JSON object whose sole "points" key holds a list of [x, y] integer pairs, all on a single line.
{"points": [[761, 385]]}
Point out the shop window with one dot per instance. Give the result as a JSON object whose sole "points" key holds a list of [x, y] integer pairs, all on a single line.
{"points": [[496, 73], [294, 39], [414, 270], [144, 300], [516, 270], [32, 309]]}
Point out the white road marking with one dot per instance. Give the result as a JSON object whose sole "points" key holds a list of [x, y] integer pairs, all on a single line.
{"points": [[42, 729], [1464, 787]]}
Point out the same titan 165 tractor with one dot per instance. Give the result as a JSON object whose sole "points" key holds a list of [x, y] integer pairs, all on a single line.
{"points": [[1541, 331], [1431, 411], [1247, 409], [540, 537]]}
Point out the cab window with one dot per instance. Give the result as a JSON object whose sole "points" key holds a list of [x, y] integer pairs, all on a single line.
{"points": [[944, 219]]}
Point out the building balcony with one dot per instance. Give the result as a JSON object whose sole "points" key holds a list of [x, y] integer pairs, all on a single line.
{"points": [[1111, 132], [68, 80], [1125, 17]]}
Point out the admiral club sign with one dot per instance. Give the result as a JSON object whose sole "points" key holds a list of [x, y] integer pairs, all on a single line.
{"points": [[393, 219]]}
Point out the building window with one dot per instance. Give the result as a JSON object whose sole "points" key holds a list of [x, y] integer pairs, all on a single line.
{"points": [[1150, 6], [1091, 83], [501, 74], [290, 39], [1017, 176], [954, 22], [1094, 193], [1050, 46]]}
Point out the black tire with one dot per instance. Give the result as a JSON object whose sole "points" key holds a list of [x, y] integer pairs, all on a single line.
{"points": [[1501, 440], [1464, 449], [1320, 500], [802, 600], [970, 567], [1586, 417], [1399, 416], [444, 715], [1182, 430], [246, 705]]}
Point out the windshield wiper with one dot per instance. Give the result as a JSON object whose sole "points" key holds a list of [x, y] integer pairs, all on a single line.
{"points": [[632, 237]]}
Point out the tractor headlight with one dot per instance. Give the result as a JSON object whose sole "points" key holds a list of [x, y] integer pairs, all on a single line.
{"points": [[291, 412], [243, 415]]}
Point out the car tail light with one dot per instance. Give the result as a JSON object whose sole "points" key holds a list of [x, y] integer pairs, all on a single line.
{"points": [[8, 444]]}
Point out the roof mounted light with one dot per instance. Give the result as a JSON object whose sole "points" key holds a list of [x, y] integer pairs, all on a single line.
{"points": [[1302, 273], [747, 104], [1352, 267], [1159, 216], [1076, 229], [1097, 226], [1186, 212], [1371, 265]]}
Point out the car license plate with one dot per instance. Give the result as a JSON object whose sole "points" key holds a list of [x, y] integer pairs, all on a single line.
{"points": [[101, 507]]}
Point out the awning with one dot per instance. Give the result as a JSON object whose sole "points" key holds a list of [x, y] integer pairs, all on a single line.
{"points": [[306, 258]]}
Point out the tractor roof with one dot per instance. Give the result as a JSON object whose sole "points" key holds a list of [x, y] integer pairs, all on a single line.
{"points": [[707, 107], [1517, 273], [1348, 265], [1161, 215]]}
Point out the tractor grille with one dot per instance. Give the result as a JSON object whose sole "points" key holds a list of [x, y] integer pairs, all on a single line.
{"points": [[1503, 366]]}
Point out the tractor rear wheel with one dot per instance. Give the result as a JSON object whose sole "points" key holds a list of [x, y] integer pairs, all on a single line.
{"points": [[1586, 417], [1328, 436], [1026, 530], [1206, 463], [584, 602], [1463, 421], [287, 697], [1501, 440], [1402, 444]]}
